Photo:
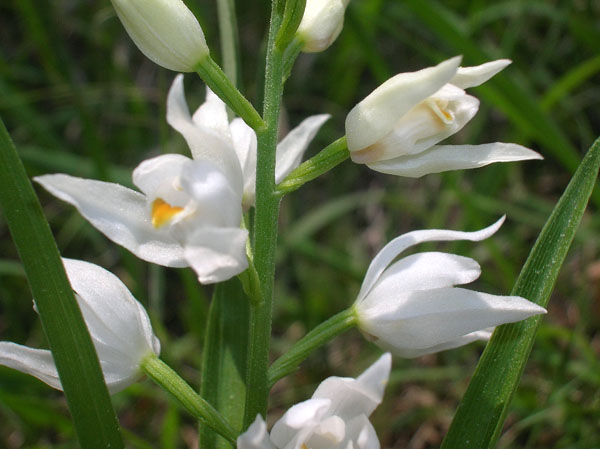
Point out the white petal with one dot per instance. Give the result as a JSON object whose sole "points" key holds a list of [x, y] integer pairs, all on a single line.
{"points": [[291, 149], [158, 177], [321, 24], [119, 213], [36, 362], [113, 316], [454, 157], [474, 76], [245, 144], [352, 397], [207, 141], [390, 251], [256, 437], [304, 415], [212, 114], [361, 432], [376, 115], [452, 344], [217, 254], [421, 271], [426, 318]]}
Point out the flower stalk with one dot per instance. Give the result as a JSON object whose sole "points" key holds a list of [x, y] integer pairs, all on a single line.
{"points": [[316, 338], [169, 380]]}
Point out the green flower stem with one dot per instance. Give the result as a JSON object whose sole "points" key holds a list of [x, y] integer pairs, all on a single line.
{"points": [[332, 155], [316, 338], [216, 79], [169, 380], [265, 230]]}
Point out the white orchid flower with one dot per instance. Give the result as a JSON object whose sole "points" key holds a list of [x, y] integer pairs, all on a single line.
{"points": [[396, 128], [321, 24], [210, 135], [412, 306], [117, 322], [188, 214], [166, 31], [336, 417]]}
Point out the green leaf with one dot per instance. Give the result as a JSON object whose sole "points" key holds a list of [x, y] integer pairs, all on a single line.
{"points": [[480, 415], [68, 337], [224, 362]]}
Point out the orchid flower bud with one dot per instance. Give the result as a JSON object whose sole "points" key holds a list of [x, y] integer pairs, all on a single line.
{"points": [[166, 31], [321, 24], [397, 127], [117, 322], [336, 417], [412, 307]]}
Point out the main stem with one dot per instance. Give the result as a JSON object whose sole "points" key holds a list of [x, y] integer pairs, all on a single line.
{"points": [[265, 229]]}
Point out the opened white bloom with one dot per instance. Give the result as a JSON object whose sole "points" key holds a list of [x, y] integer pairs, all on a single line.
{"points": [[336, 417], [321, 24], [396, 128], [166, 31], [211, 136], [188, 214], [412, 306], [117, 322]]}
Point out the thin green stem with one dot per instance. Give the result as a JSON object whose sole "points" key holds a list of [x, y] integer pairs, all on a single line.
{"points": [[221, 85], [334, 326], [169, 380], [332, 155], [265, 229]]}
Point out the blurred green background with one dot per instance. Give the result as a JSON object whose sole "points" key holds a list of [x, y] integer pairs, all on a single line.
{"points": [[79, 98]]}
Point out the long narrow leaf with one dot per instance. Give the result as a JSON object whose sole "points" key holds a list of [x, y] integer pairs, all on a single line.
{"points": [[70, 342], [480, 416]]}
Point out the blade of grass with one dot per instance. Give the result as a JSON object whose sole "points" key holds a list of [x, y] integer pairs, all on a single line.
{"points": [[481, 413], [68, 337]]}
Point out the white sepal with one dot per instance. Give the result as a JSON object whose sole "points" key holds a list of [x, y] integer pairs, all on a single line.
{"points": [[166, 31]]}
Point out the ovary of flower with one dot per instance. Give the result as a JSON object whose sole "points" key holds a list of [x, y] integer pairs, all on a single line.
{"points": [[397, 127], [232, 145], [188, 214], [117, 322], [412, 307], [336, 417]]}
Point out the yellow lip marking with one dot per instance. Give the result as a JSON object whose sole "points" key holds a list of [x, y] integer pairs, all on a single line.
{"points": [[304, 446], [163, 212]]}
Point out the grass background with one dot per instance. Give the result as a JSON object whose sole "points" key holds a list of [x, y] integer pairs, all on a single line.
{"points": [[79, 98]]}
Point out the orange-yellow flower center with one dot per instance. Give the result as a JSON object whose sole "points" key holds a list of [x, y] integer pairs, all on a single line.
{"points": [[163, 212]]}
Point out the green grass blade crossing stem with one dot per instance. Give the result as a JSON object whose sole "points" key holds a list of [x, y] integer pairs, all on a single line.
{"points": [[480, 415], [72, 348]]}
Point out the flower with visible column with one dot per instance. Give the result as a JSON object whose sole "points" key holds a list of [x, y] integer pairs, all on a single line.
{"points": [[118, 325], [396, 129], [321, 24], [166, 31], [412, 307], [210, 135], [336, 417]]}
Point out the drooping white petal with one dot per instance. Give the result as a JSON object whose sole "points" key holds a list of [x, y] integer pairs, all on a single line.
{"points": [[291, 149], [411, 353], [304, 415], [442, 158], [390, 251], [208, 141], [427, 318], [421, 271], [112, 315], [36, 362], [474, 76], [217, 254], [351, 397], [245, 144], [375, 116], [119, 213], [256, 437]]}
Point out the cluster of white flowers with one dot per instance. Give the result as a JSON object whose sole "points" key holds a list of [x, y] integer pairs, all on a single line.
{"points": [[189, 211]]}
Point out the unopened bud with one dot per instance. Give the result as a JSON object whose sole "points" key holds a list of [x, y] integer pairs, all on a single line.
{"points": [[321, 24]]}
